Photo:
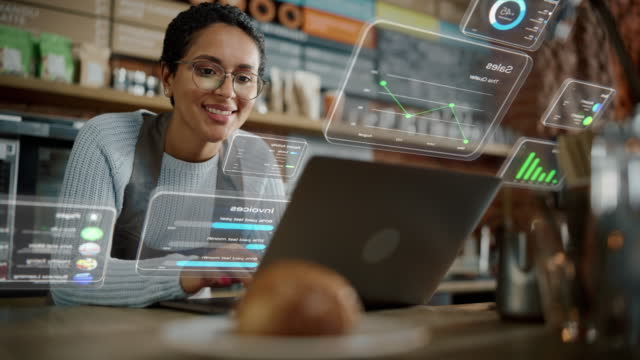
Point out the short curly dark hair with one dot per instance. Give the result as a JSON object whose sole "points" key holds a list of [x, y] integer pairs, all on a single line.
{"points": [[181, 30]]}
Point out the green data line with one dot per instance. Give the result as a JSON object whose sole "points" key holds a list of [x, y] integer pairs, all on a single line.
{"points": [[407, 115], [536, 173], [542, 176], [531, 169], [428, 111], [384, 85], [550, 176], [458, 122], [525, 165]]}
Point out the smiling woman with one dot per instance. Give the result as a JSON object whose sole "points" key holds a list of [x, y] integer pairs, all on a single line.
{"points": [[212, 65]]}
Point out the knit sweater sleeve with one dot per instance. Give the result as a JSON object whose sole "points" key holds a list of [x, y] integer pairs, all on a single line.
{"points": [[92, 178]]}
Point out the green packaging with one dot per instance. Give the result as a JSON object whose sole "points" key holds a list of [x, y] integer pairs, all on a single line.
{"points": [[56, 60], [16, 51]]}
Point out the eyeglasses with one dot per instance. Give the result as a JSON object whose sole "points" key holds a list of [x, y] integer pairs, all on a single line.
{"points": [[209, 76]]}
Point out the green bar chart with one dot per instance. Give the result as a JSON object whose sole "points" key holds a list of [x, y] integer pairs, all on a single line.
{"points": [[533, 164], [530, 170]]}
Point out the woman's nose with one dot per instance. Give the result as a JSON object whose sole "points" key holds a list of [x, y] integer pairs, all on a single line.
{"points": [[226, 89]]}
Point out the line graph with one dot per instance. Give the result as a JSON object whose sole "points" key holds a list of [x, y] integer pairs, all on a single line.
{"points": [[409, 115]]}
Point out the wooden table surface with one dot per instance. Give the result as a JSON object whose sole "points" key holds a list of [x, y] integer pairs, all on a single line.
{"points": [[29, 330]]}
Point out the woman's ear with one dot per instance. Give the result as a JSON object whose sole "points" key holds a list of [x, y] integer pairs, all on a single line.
{"points": [[167, 79]]}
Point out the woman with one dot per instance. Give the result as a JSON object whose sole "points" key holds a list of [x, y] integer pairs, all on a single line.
{"points": [[212, 63]]}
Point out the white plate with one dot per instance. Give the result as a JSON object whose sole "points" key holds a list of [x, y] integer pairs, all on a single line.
{"points": [[375, 336]]}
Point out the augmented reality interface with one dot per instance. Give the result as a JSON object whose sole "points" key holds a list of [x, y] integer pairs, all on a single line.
{"points": [[199, 232], [533, 164], [517, 23], [443, 98], [577, 105], [49, 243], [264, 156]]}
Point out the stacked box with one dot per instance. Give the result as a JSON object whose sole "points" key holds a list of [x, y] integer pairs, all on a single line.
{"points": [[84, 7], [363, 10], [332, 65], [79, 28], [335, 27], [139, 26], [283, 54], [148, 13]]}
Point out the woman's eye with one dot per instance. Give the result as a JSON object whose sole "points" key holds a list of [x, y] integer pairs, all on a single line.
{"points": [[244, 79], [206, 71]]}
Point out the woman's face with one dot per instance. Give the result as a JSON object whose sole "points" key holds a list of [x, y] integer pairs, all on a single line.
{"points": [[213, 115]]}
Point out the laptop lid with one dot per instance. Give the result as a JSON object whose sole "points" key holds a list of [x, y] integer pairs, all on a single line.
{"points": [[392, 231]]}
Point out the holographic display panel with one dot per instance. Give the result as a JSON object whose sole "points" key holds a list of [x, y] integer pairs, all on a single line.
{"points": [[517, 23], [264, 156], [577, 105], [46, 243], [442, 98], [202, 232], [533, 164]]}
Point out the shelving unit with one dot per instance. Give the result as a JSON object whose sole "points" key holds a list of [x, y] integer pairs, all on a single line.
{"points": [[17, 89]]}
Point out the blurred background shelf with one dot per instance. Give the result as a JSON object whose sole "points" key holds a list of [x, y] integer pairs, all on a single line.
{"points": [[43, 92], [467, 286]]}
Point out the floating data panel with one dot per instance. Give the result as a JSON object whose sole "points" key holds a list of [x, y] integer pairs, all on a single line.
{"points": [[45, 244], [577, 105], [264, 156], [199, 232], [435, 95], [533, 164], [517, 23]]}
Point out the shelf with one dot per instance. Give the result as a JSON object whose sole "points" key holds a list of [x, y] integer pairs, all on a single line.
{"points": [[39, 91], [42, 92], [467, 286]]}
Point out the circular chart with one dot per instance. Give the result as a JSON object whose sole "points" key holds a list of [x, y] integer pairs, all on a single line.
{"points": [[507, 14]]}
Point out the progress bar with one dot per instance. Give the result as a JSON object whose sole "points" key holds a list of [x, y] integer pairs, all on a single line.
{"points": [[232, 264], [236, 226]]}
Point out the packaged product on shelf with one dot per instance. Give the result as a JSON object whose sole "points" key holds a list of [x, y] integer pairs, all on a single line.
{"points": [[290, 102], [119, 79], [56, 62], [307, 88], [16, 51], [276, 101], [152, 85], [94, 65]]}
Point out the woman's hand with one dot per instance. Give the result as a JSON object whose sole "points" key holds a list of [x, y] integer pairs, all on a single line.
{"points": [[194, 279]]}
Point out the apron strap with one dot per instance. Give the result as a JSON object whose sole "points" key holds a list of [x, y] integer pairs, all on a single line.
{"points": [[147, 165]]}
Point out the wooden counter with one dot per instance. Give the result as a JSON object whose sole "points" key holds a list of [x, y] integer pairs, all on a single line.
{"points": [[469, 332]]}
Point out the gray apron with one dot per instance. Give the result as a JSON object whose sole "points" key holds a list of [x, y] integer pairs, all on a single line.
{"points": [[147, 164]]}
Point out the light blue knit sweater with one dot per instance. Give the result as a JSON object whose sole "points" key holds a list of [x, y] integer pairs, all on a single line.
{"points": [[98, 171]]}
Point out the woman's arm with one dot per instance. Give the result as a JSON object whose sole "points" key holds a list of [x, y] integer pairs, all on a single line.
{"points": [[90, 179]]}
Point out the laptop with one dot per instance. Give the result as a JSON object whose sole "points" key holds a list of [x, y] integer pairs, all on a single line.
{"points": [[392, 231]]}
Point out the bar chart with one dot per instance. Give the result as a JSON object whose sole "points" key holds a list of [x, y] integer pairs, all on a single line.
{"points": [[531, 171], [533, 164]]}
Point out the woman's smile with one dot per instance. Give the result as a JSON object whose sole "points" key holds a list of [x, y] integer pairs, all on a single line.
{"points": [[220, 114]]}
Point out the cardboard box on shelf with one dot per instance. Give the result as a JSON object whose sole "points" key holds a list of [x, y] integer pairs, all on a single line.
{"points": [[406, 16], [333, 27], [151, 13], [423, 6], [86, 7], [363, 10], [37, 20], [94, 68], [137, 41]]}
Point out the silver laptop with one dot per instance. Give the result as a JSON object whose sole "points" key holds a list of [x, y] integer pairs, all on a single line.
{"points": [[392, 231]]}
